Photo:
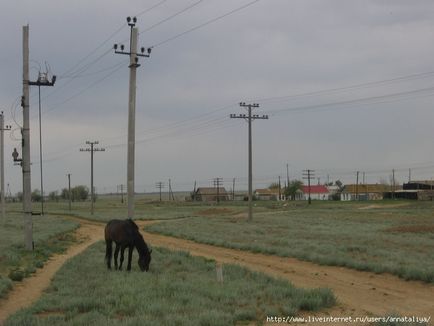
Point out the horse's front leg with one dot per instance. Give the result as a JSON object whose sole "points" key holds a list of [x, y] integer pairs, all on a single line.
{"points": [[116, 255], [122, 257], [130, 254]]}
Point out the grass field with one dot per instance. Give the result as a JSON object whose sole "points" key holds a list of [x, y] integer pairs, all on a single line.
{"points": [[380, 236], [107, 208], [395, 237], [178, 290], [50, 235]]}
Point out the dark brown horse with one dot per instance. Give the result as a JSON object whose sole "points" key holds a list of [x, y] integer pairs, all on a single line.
{"points": [[125, 234]]}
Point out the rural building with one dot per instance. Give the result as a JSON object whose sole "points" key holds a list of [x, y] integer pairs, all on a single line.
{"points": [[317, 192], [211, 194], [419, 185], [269, 194], [365, 191], [418, 190]]}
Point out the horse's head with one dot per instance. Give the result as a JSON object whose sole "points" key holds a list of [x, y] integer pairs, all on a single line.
{"points": [[145, 261]]}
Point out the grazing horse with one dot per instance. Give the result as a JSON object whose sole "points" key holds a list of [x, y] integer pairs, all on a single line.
{"points": [[125, 234]]}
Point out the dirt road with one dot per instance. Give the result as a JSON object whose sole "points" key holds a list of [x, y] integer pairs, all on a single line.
{"points": [[359, 293]]}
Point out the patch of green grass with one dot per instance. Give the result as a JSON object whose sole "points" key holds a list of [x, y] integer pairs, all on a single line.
{"points": [[338, 234], [178, 290], [50, 235]]}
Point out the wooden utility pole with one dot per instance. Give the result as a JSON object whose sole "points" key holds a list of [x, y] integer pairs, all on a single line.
{"points": [[280, 190], [160, 185], [308, 175], [233, 189], [92, 149], [69, 190], [171, 196], [249, 117], [2, 162], [218, 183], [357, 185], [287, 175], [393, 184], [132, 53]]}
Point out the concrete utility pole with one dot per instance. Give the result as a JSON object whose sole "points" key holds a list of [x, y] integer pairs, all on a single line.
{"points": [[249, 117], [159, 185], [308, 175], [69, 190], [2, 162], [25, 131], [132, 108], [92, 150], [42, 81]]}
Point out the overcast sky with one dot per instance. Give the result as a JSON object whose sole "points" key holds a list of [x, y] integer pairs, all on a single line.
{"points": [[348, 86]]}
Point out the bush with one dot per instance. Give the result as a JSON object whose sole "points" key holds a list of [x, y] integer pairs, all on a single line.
{"points": [[16, 275]]}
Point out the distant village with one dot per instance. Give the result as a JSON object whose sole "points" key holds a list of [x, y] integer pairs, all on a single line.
{"points": [[414, 190]]}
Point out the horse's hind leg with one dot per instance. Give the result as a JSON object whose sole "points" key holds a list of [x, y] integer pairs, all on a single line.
{"points": [[116, 256], [130, 254], [122, 257], [108, 253]]}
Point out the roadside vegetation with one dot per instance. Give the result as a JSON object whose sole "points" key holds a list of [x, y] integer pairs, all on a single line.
{"points": [[392, 236], [178, 290], [50, 234]]}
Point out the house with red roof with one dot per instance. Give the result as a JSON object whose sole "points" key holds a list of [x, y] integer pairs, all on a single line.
{"points": [[317, 192]]}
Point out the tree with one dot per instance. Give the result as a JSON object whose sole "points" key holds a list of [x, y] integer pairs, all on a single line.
{"points": [[274, 185], [36, 195], [292, 188], [54, 196], [19, 196], [340, 185], [64, 194], [79, 193]]}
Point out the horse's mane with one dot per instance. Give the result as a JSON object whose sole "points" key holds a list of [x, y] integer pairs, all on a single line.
{"points": [[132, 223]]}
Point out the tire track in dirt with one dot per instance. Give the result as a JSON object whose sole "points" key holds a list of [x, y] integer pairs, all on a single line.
{"points": [[359, 293]]}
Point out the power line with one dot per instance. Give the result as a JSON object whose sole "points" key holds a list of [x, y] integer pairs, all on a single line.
{"points": [[350, 87], [55, 106], [118, 30], [171, 16], [150, 8], [362, 100], [205, 24]]}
